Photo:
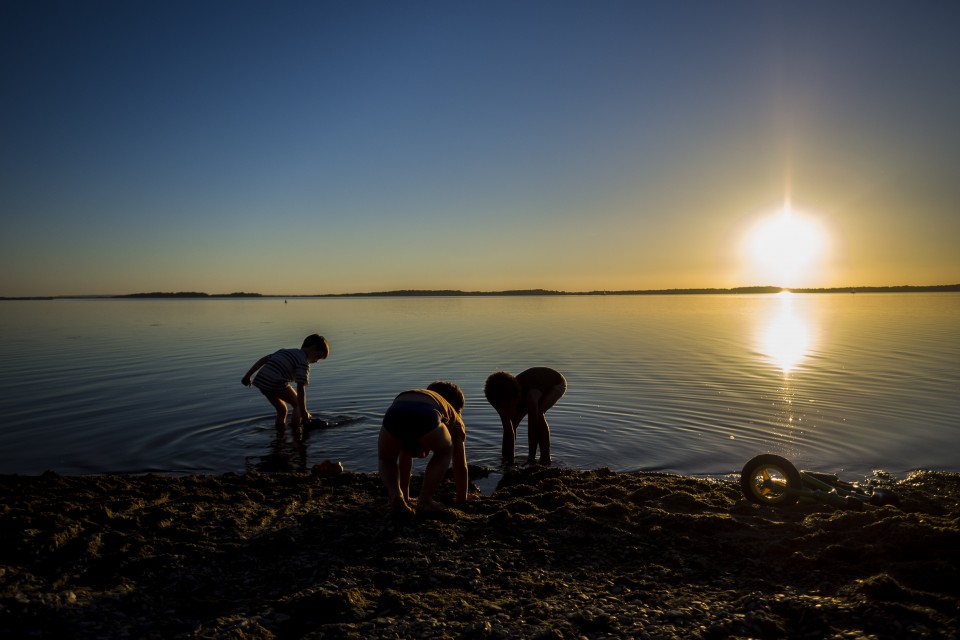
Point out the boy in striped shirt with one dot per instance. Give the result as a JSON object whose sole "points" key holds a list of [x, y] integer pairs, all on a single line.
{"points": [[279, 371]]}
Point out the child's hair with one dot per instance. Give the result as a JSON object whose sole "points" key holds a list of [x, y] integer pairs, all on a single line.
{"points": [[501, 387], [449, 392], [318, 341]]}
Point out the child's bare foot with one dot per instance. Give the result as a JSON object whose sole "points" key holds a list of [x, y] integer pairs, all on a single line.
{"points": [[399, 506], [429, 506]]}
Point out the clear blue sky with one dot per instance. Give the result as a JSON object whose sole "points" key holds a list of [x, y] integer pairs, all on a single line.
{"points": [[324, 147]]}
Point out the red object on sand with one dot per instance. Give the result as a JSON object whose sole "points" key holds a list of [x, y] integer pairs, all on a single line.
{"points": [[327, 468]]}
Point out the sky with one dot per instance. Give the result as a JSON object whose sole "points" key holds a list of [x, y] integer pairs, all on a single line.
{"points": [[300, 148]]}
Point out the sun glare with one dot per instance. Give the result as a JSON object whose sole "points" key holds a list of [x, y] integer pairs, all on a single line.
{"points": [[785, 249], [786, 338]]}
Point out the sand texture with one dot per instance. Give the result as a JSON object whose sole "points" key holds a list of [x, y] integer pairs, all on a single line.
{"points": [[552, 553]]}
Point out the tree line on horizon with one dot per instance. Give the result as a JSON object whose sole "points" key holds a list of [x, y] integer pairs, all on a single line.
{"points": [[516, 292]]}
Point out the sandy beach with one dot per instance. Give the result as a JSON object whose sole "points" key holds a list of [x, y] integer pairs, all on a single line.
{"points": [[551, 553]]}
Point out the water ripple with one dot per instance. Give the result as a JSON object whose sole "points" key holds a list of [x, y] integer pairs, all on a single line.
{"points": [[686, 384]]}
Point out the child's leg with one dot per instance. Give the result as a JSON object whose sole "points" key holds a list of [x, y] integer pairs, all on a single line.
{"points": [[289, 396], [543, 440], [389, 448], [440, 443], [406, 467], [281, 408], [533, 437], [538, 437], [543, 434]]}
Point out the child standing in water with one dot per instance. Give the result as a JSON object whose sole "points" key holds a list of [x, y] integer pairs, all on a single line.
{"points": [[280, 370], [529, 393]]}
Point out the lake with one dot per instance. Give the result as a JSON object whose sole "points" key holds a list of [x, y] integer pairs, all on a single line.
{"points": [[689, 384]]}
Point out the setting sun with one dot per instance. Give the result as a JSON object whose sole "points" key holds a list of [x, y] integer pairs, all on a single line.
{"points": [[786, 249]]}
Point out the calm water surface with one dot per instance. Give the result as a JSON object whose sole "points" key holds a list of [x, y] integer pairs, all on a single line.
{"points": [[686, 384]]}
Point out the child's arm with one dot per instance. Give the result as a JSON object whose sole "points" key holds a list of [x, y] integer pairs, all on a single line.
{"points": [[256, 367], [458, 433], [509, 438]]}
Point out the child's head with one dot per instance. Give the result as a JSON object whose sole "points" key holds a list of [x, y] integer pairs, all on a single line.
{"points": [[502, 390], [449, 392], [317, 344]]}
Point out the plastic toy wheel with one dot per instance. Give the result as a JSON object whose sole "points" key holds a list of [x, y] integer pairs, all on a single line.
{"points": [[765, 479]]}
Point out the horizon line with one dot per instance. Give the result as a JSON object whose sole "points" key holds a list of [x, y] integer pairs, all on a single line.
{"points": [[766, 289]]}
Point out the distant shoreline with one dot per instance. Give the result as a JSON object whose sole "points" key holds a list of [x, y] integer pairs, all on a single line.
{"points": [[437, 293]]}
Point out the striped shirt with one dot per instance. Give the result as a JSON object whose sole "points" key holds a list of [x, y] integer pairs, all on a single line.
{"points": [[283, 368]]}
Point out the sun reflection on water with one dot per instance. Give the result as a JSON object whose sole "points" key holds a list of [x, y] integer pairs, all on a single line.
{"points": [[786, 337]]}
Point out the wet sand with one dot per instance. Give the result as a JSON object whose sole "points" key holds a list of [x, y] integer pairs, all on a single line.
{"points": [[552, 553]]}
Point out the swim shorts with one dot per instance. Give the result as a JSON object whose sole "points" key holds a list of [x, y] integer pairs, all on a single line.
{"points": [[550, 397], [410, 420]]}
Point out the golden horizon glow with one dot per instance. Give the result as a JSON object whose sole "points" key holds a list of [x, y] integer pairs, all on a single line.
{"points": [[786, 247]]}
